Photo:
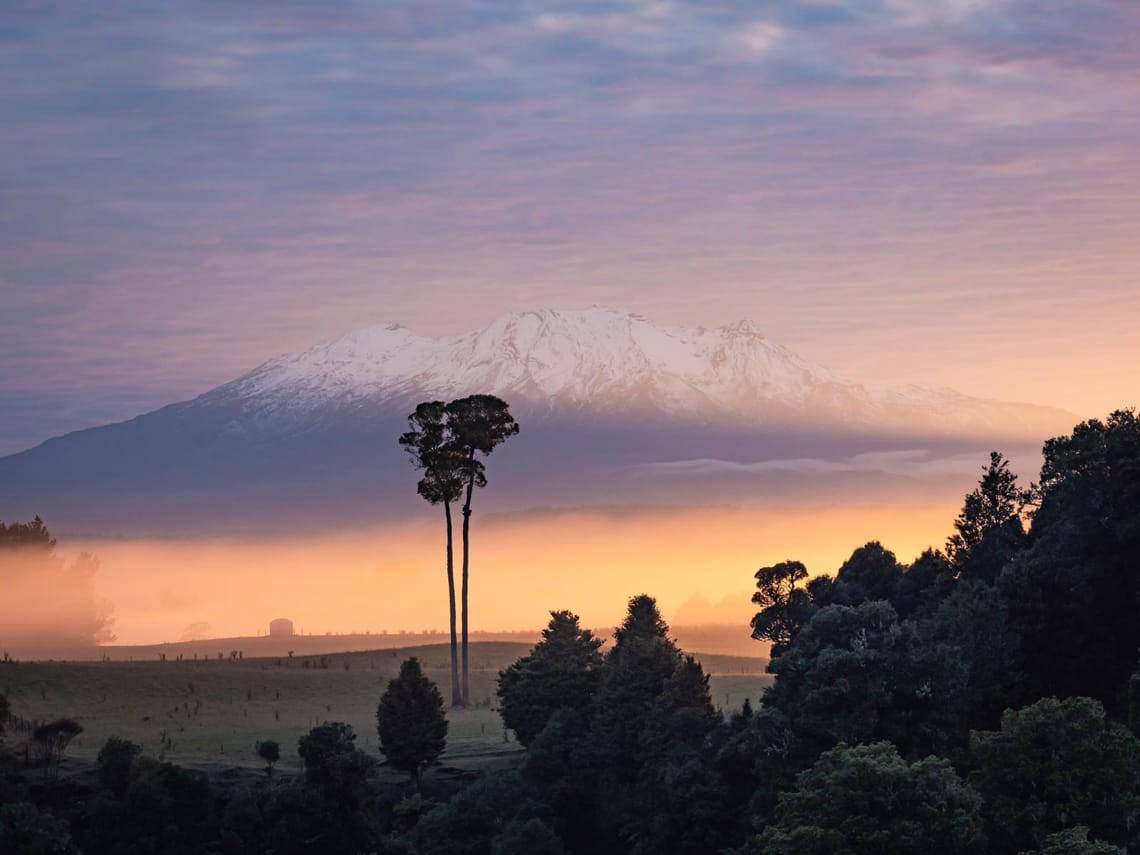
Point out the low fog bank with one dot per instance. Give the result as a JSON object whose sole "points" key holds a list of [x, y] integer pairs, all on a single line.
{"points": [[389, 579], [45, 599]]}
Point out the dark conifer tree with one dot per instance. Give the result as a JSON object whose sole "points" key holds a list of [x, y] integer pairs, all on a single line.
{"points": [[636, 668], [989, 530], [1074, 595], [562, 671], [682, 715], [678, 802], [410, 721]]}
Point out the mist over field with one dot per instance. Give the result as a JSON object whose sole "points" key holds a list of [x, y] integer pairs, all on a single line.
{"points": [[693, 531], [523, 566]]}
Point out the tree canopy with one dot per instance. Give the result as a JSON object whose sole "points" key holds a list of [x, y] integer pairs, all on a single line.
{"points": [[867, 800], [561, 672], [1055, 764], [335, 770], [784, 607], [1074, 593]]}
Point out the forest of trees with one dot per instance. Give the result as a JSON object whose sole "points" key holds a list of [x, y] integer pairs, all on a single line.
{"points": [[984, 698]]}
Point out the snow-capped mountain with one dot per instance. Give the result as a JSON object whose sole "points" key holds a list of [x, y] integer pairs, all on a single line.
{"points": [[593, 357], [613, 409], [612, 362]]}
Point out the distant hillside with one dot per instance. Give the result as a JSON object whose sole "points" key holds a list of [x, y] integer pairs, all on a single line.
{"points": [[715, 646]]}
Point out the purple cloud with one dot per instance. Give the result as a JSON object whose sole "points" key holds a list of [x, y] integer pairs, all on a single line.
{"points": [[188, 192]]}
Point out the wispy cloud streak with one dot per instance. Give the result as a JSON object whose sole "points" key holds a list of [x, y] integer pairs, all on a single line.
{"points": [[911, 463]]}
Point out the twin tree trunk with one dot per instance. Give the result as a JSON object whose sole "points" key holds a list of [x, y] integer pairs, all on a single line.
{"points": [[466, 554], [460, 692], [443, 440], [457, 697]]}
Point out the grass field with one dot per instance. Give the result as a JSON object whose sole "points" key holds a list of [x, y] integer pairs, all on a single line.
{"points": [[213, 711]]}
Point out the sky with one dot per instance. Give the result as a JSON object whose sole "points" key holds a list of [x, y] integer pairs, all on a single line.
{"points": [[943, 192]]}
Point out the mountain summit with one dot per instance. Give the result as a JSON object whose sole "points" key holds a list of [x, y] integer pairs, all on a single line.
{"points": [[615, 363], [613, 409]]}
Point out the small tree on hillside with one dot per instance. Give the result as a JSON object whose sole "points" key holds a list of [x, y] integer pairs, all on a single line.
{"points": [[335, 770], [269, 751], [116, 763], [563, 670], [410, 721], [54, 737]]}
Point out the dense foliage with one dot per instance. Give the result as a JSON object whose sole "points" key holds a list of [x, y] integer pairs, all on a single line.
{"points": [[410, 721], [867, 800], [562, 672], [985, 699]]}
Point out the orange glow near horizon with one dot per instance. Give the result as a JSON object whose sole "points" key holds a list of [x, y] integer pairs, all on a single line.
{"points": [[521, 567]]}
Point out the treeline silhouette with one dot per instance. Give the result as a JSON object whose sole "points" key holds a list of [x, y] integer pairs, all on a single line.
{"points": [[985, 698]]}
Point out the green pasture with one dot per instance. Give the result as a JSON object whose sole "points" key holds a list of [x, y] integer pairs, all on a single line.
{"points": [[214, 711]]}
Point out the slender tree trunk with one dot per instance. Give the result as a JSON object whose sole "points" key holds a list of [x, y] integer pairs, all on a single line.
{"points": [[466, 562], [456, 694]]}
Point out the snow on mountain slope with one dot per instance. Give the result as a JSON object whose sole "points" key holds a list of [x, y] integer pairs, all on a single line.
{"points": [[613, 410], [608, 360]]}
